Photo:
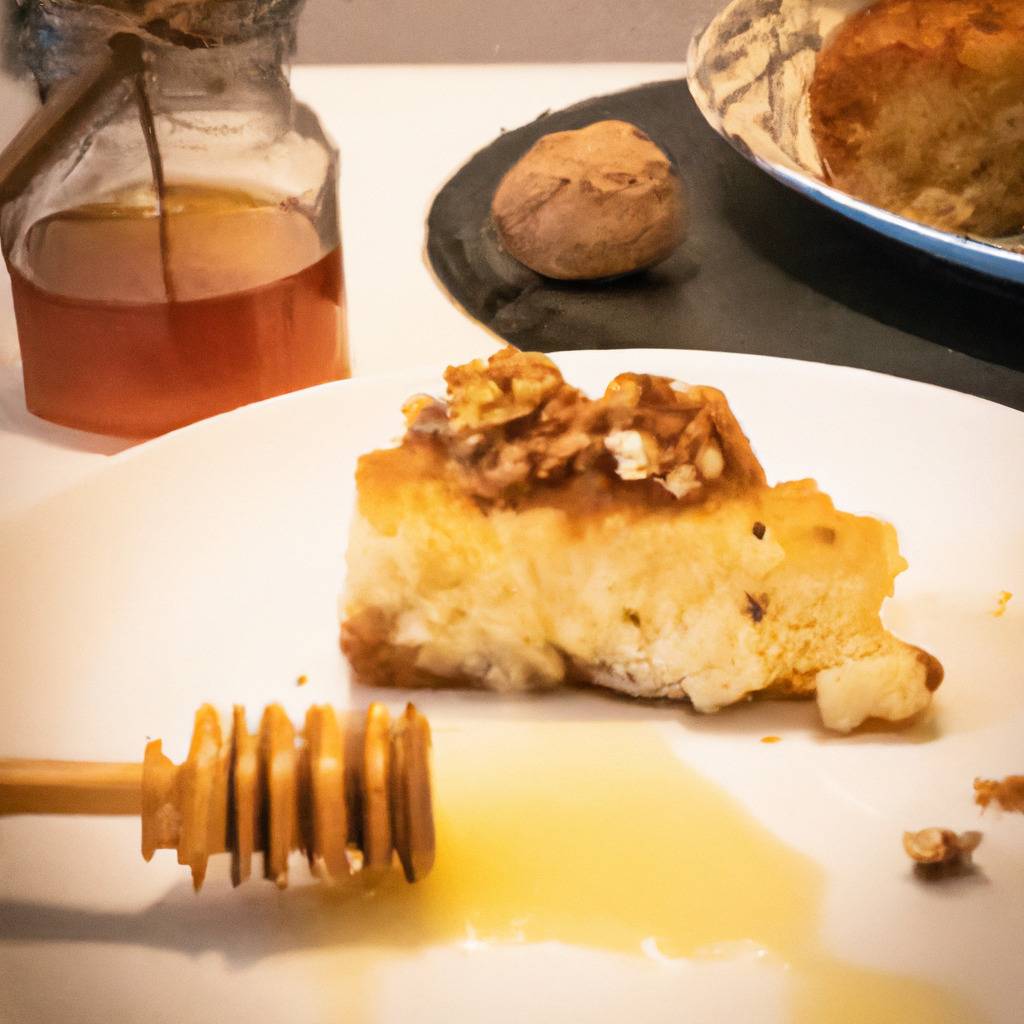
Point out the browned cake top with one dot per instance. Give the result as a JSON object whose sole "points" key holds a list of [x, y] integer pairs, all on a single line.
{"points": [[512, 426], [980, 34], [915, 107], [875, 45]]}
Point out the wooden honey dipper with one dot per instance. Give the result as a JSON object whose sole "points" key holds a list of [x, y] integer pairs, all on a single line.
{"points": [[349, 794]]}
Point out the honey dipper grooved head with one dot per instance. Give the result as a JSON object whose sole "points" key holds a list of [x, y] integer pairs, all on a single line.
{"points": [[341, 794]]}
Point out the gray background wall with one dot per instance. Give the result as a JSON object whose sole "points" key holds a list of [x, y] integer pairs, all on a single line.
{"points": [[479, 31], [461, 31]]}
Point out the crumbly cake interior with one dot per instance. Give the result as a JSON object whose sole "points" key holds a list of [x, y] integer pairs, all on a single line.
{"points": [[917, 106], [523, 536]]}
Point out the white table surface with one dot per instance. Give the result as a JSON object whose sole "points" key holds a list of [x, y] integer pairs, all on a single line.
{"points": [[398, 317]]}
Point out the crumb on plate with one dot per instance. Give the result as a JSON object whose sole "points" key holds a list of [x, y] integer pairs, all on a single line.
{"points": [[1008, 792]]}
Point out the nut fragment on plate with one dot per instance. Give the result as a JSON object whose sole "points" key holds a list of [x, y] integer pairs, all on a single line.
{"points": [[597, 202], [935, 849], [1008, 792]]}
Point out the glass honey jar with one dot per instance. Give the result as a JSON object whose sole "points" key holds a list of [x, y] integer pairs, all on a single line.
{"points": [[171, 225]]}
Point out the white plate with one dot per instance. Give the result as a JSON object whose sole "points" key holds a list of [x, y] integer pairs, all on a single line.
{"points": [[205, 566], [749, 73]]}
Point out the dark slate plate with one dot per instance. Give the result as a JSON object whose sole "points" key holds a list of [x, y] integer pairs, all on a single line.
{"points": [[764, 271]]}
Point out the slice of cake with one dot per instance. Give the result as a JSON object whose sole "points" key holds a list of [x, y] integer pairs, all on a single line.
{"points": [[523, 536]]}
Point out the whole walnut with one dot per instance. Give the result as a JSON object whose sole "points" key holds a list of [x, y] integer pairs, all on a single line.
{"points": [[596, 202]]}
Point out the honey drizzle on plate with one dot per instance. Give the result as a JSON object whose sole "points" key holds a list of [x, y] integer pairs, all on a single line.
{"points": [[596, 835]]}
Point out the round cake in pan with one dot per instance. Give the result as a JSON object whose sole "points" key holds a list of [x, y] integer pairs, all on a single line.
{"points": [[917, 106]]}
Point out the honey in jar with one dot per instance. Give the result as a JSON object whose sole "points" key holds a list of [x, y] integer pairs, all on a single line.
{"points": [[134, 323], [169, 216]]}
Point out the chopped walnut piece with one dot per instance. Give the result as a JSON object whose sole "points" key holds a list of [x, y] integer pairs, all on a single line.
{"points": [[513, 423], [709, 461], [938, 848], [633, 453], [425, 415], [681, 482], [1008, 792], [511, 385]]}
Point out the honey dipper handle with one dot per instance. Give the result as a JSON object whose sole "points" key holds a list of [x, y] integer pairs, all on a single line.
{"points": [[69, 787]]}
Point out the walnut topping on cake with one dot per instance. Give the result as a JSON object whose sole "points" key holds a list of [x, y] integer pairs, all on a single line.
{"points": [[513, 424]]}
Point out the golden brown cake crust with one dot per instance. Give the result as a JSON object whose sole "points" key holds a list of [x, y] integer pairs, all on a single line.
{"points": [[513, 427], [375, 661], [916, 106]]}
